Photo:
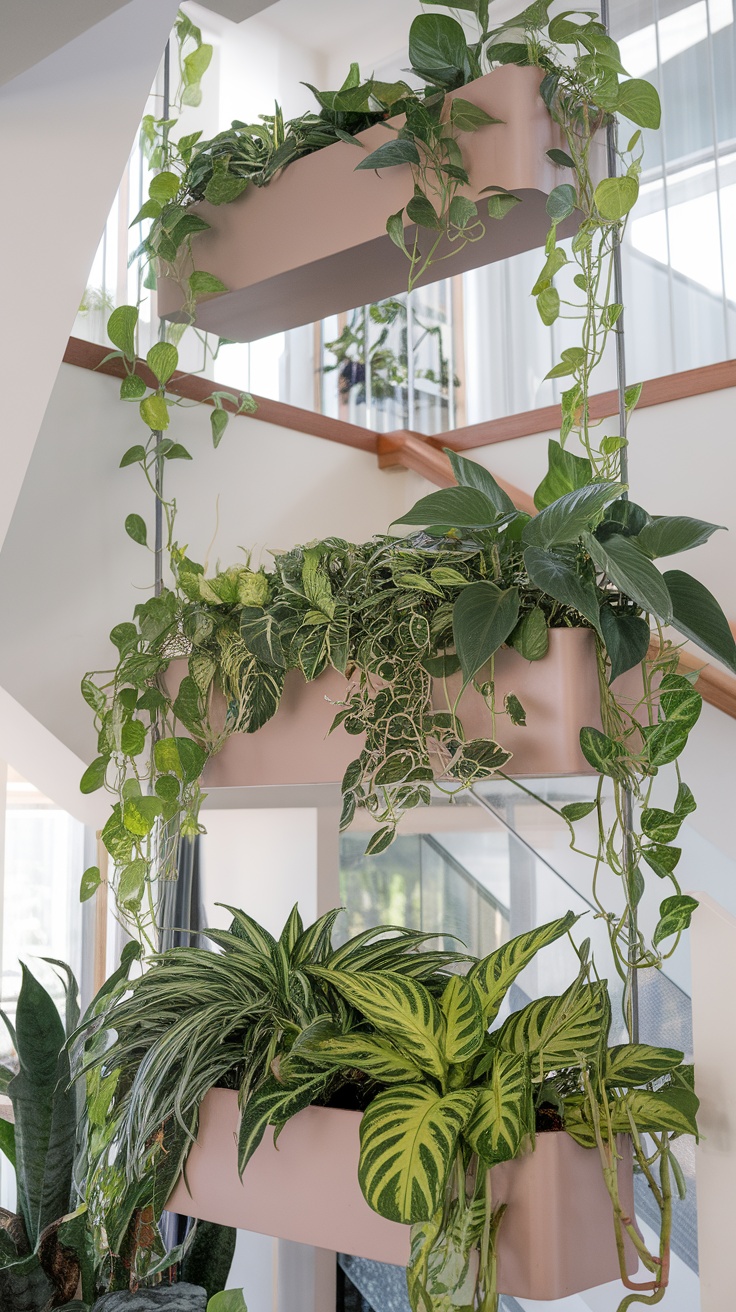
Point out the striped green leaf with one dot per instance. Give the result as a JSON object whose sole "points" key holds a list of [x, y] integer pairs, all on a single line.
{"points": [[463, 1018], [408, 1139], [402, 1010], [324, 1046], [493, 976], [504, 1113], [272, 1104], [638, 1063], [557, 1031]]}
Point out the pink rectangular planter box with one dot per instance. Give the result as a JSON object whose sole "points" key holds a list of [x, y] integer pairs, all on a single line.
{"points": [[313, 241], [559, 693], [556, 1237]]}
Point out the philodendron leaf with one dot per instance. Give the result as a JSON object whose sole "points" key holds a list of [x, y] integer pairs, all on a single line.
{"points": [[504, 1115], [470, 474], [464, 1019], [670, 534], [565, 520], [630, 570], [566, 473], [664, 1109], [601, 751], [121, 328], [493, 976], [402, 1011], [626, 637], [614, 197], [398, 151], [557, 576], [460, 507], [697, 615], [482, 619], [531, 635], [408, 1139], [438, 48]]}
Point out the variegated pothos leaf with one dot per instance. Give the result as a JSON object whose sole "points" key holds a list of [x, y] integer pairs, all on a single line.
{"points": [[408, 1139]]}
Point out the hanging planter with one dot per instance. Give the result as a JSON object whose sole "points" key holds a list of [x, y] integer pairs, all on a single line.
{"points": [[556, 1237], [559, 694], [313, 242]]}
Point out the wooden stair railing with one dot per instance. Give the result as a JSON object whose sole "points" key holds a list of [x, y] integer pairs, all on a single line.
{"points": [[408, 450]]}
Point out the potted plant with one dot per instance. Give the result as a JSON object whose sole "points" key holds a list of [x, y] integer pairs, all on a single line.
{"points": [[449, 1110], [51, 1254]]}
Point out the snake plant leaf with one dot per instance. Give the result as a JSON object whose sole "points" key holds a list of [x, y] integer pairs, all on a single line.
{"points": [[402, 1010], [464, 1019], [633, 572], [639, 1063], [470, 474], [45, 1110], [408, 1139], [209, 1257], [24, 1285], [493, 976], [570, 516], [697, 615], [556, 1032], [482, 618], [325, 1046], [504, 1113]]}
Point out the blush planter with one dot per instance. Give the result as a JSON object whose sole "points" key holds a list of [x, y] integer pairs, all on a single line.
{"points": [[559, 694], [556, 1237], [313, 241]]}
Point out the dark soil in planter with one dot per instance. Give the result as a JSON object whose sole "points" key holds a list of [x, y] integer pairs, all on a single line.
{"points": [[548, 1119]]}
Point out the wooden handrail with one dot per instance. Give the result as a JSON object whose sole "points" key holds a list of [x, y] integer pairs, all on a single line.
{"points": [[405, 450], [656, 391], [89, 355]]}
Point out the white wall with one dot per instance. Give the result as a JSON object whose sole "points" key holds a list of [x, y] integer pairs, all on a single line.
{"points": [[67, 126], [68, 572]]}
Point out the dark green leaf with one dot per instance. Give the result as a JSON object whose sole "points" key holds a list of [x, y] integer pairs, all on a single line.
{"points": [[467, 117], [557, 577], [565, 520], [438, 49], [422, 212], [482, 619], [398, 151], [133, 456], [669, 534], [94, 776], [531, 635], [460, 507], [562, 201], [219, 420], [566, 473], [633, 572], [205, 284], [626, 637], [697, 615], [561, 158], [470, 474], [577, 810], [661, 826], [601, 751], [501, 203]]}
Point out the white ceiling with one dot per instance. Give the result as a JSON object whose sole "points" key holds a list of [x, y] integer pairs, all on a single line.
{"points": [[33, 29]]}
